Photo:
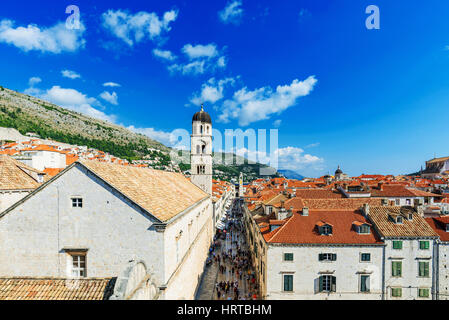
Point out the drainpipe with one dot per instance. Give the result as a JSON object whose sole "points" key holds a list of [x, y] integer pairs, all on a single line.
{"points": [[383, 270]]}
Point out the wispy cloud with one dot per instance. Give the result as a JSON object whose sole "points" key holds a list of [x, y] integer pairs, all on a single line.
{"points": [[200, 59], [259, 104], [112, 98], [70, 74], [135, 28], [211, 91], [164, 54], [111, 84], [232, 13]]}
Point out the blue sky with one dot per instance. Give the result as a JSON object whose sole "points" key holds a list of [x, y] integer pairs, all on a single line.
{"points": [[372, 101]]}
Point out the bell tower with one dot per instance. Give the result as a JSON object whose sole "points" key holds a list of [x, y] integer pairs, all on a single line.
{"points": [[201, 151]]}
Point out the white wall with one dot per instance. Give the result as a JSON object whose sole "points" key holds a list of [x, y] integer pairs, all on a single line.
{"points": [[306, 269], [410, 255]]}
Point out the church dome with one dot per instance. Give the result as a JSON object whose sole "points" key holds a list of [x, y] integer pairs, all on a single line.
{"points": [[202, 116], [338, 171]]}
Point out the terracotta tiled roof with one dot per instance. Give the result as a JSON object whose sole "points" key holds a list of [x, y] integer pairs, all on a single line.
{"points": [[318, 194], [14, 175], [439, 226], [392, 191], [163, 194], [330, 204], [56, 289], [275, 200], [417, 227], [303, 229], [52, 171]]}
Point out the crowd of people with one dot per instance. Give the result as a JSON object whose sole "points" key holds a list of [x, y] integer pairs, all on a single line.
{"points": [[235, 280]]}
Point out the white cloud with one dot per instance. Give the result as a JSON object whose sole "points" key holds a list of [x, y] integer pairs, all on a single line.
{"points": [[112, 98], [72, 99], [200, 51], [70, 74], [232, 13], [167, 138], [211, 91], [55, 39], [312, 145], [111, 84], [34, 80], [134, 28], [260, 104], [200, 59], [164, 54]]}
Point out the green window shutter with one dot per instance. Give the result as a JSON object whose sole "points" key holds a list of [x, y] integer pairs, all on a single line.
{"points": [[424, 245], [334, 257], [400, 267], [321, 283], [397, 244], [423, 293], [320, 257], [334, 284]]}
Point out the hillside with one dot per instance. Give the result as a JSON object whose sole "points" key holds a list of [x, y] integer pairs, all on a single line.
{"points": [[29, 114]]}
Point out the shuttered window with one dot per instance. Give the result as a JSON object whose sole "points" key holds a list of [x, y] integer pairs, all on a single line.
{"points": [[397, 244], [288, 282], [424, 269], [424, 245], [328, 283], [396, 267], [364, 283], [327, 257], [396, 292]]}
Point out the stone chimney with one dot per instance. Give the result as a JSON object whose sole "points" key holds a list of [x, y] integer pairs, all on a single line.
{"points": [[305, 211], [365, 209], [384, 202], [281, 214], [381, 186], [419, 207]]}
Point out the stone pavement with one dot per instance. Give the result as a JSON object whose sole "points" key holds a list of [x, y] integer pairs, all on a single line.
{"points": [[212, 276]]}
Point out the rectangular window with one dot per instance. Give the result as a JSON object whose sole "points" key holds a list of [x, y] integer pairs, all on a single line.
{"points": [[398, 202], [424, 245], [364, 229], [327, 257], [423, 292], [364, 283], [423, 269], [397, 245], [77, 202], [328, 283], [288, 256], [396, 267], [365, 257], [288, 282], [78, 265], [396, 292]]}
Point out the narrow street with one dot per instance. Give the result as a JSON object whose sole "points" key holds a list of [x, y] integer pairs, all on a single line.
{"points": [[228, 275]]}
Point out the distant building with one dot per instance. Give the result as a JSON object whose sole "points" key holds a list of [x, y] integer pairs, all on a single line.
{"points": [[16, 181], [436, 168]]}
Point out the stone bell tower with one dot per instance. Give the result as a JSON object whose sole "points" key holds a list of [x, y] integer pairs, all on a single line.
{"points": [[201, 151]]}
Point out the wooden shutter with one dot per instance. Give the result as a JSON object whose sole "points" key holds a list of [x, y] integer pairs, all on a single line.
{"points": [[321, 284], [334, 284], [320, 257], [334, 257]]}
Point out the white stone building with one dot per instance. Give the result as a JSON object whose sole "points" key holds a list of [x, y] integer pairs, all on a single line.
{"points": [[94, 217], [409, 252], [323, 255], [43, 156]]}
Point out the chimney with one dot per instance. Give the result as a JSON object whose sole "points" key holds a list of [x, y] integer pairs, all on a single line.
{"points": [[384, 202], [419, 207], [381, 186], [305, 211], [282, 203], [365, 209]]}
